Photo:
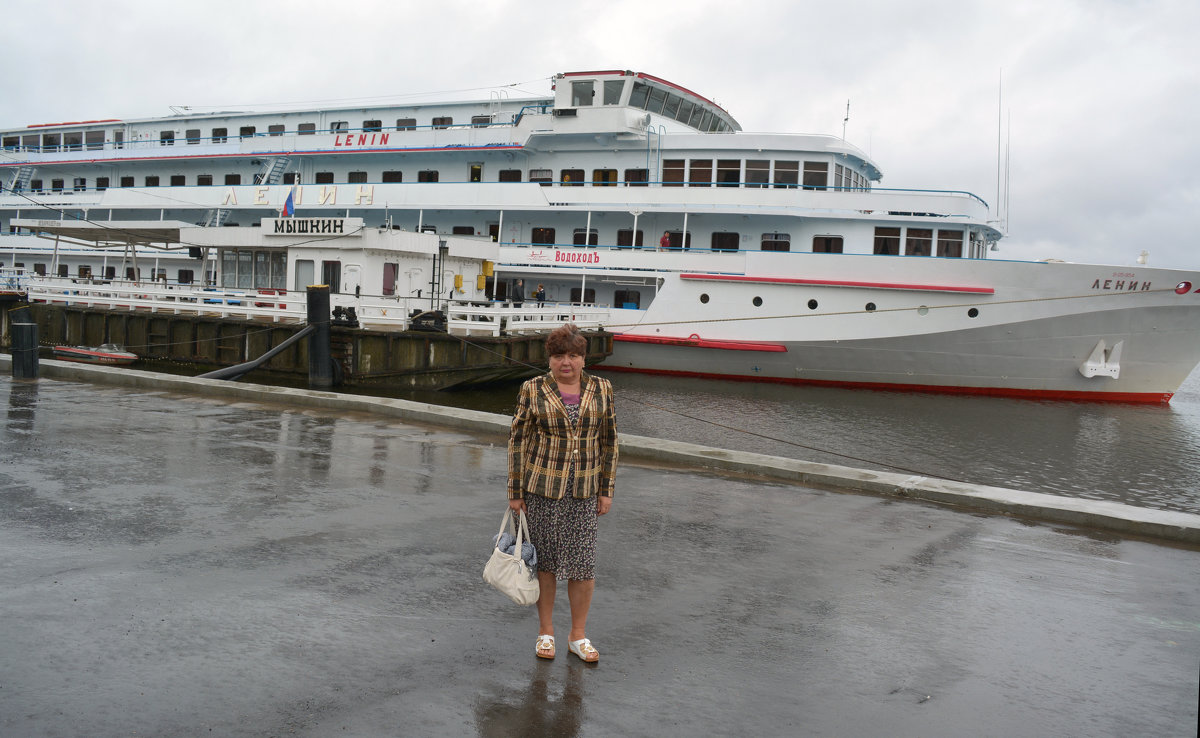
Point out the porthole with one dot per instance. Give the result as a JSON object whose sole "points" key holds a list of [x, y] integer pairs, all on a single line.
{"points": [[870, 307], [812, 304], [757, 302], [973, 313], [704, 298], [923, 310]]}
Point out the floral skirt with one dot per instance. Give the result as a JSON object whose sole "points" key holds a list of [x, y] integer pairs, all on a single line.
{"points": [[564, 534]]}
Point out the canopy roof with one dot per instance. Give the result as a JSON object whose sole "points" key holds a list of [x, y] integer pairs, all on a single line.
{"points": [[107, 232]]}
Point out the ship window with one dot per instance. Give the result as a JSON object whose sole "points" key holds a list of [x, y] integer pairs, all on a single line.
{"points": [[57, 184], [510, 175], [462, 230], [62, 270], [85, 271], [604, 177], [705, 120], [675, 240], [543, 236], [166, 138], [204, 180], [393, 176], [246, 131], [307, 129], [787, 173], [12, 142], [39, 269], [151, 181], [631, 299], [827, 244], [593, 237], [427, 228], [671, 106], [372, 125], [672, 175], [95, 139], [289, 178], [626, 238], [233, 179], [275, 129], [331, 274], [323, 178], [725, 241], [101, 183], [80, 184], [700, 174], [219, 135], [481, 121], [776, 242], [339, 125], [839, 177], [443, 121], [125, 182], [356, 177], [545, 176], [686, 107], [887, 241], [918, 242], [178, 180], [949, 243], [729, 172], [636, 177], [192, 135], [572, 177], [657, 98], [638, 97], [758, 172], [35, 185], [30, 143], [406, 124], [50, 141], [582, 93], [816, 175], [427, 175], [185, 276], [589, 295], [612, 91]]}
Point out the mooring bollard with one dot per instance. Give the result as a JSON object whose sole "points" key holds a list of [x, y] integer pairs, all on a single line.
{"points": [[24, 350], [320, 361]]}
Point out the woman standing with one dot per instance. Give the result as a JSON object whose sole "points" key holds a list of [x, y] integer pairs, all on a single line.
{"points": [[562, 460]]}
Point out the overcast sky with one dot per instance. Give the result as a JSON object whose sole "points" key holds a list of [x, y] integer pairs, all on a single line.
{"points": [[1100, 106]]}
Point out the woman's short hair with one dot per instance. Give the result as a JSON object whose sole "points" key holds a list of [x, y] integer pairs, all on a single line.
{"points": [[566, 339]]}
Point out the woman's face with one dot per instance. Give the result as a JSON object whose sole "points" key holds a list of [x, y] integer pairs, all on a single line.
{"points": [[565, 368]]}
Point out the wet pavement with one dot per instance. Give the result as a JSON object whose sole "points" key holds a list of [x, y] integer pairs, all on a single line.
{"points": [[173, 565]]}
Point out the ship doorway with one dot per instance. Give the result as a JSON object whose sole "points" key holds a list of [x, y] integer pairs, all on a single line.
{"points": [[352, 279], [331, 273], [475, 173]]}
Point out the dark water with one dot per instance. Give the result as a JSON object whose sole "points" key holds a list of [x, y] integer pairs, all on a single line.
{"points": [[1145, 455]]}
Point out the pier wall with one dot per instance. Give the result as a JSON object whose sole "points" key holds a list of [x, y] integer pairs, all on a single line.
{"points": [[404, 359]]}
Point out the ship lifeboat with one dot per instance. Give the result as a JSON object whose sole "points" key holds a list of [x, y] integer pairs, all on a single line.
{"points": [[109, 354]]}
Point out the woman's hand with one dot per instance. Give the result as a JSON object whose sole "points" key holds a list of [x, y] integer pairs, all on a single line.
{"points": [[603, 504], [517, 506]]}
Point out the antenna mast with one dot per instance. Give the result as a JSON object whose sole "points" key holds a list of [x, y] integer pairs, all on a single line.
{"points": [[845, 120]]}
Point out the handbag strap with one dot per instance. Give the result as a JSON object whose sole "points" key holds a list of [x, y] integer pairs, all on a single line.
{"points": [[520, 532]]}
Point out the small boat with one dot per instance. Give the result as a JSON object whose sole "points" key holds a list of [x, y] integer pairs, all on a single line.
{"points": [[109, 353]]}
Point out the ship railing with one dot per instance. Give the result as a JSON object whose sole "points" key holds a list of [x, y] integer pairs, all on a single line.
{"points": [[13, 279], [506, 318]]}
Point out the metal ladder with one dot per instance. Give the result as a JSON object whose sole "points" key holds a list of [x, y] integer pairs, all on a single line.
{"points": [[216, 217], [20, 180], [273, 170]]}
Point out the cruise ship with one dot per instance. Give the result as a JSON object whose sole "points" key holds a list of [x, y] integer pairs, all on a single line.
{"points": [[706, 250]]}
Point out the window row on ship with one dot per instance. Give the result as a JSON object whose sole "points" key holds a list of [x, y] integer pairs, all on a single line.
{"points": [[756, 173]]}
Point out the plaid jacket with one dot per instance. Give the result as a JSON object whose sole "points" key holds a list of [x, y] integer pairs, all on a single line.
{"points": [[543, 442]]}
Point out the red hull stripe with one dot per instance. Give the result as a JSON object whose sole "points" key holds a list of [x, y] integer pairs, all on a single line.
{"points": [[1145, 398], [697, 342], [838, 283]]}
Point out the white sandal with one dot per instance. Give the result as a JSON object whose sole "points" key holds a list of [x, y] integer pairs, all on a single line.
{"points": [[584, 650], [545, 643]]}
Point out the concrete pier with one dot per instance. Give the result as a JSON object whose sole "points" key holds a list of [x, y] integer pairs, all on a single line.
{"points": [[180, 561]]}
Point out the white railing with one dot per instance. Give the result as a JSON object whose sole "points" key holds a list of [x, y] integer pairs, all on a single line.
{"points": [[279, 306], [494, 319]]}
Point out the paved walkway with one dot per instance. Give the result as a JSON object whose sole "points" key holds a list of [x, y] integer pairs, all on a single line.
{"points": [[174, 565]]}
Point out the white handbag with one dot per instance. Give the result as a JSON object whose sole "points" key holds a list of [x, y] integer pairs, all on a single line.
{"points": [[508, 572]]}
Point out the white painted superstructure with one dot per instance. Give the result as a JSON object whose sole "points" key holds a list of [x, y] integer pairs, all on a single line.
{"points": [[784, 259]]}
